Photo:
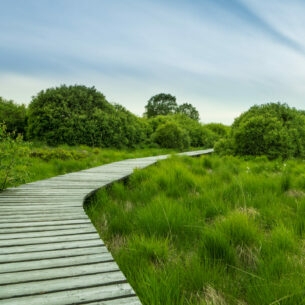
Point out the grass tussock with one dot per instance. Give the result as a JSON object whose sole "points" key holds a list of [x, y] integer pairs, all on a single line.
{"points": [[209, 231]]}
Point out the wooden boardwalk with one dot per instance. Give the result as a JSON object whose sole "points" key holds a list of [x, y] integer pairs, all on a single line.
{"points": [[50, 253]]}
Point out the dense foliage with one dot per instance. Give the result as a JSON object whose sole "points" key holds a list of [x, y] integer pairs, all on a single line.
{"points": [[14, 116], [161, 104], [165, 104], [171, 135], [197, 134], [80, 115], [189, 110], [14, 155], [274, 130]]}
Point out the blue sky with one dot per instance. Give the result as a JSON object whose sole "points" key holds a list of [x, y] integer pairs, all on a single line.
{"points": [[222, 56]]}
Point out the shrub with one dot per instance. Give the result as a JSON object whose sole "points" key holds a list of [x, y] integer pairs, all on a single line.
{"points": [[79, 115], [199, 135], [14, 117], [274, 130], [13, 156], [171, 135]]}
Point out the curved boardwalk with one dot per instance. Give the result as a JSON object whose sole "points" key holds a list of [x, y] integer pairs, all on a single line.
{"points": [[50, 253]]}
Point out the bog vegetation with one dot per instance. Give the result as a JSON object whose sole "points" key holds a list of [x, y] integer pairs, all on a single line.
{"points": [[209, 230]]}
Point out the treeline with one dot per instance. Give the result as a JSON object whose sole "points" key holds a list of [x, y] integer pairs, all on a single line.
{"points": [[78, 115]]}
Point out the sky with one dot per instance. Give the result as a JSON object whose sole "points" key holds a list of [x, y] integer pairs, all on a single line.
{"points": [[221, 56]]}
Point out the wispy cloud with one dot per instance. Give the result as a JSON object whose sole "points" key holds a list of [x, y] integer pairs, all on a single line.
{"points": [[222, 56]]}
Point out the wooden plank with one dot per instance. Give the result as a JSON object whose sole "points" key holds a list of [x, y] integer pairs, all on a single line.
{"points": [[48, 233], [56, 262], [75, 296], [44, 228], [61, 284], [125, 301], [47, 239], [43, 217], [44, 212], [58, 272], [43, 223], [50, 254], [53, 246], [60, 208]]}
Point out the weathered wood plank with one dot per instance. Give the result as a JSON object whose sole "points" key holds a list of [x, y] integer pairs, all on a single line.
{"points": [[61, 284], [74, 296], [53, 246], [50, 254], [58, 272], [43, 223], [56, 262], [125, 301], [44, 217], [48, 233], [44, 228], [47, 239]]}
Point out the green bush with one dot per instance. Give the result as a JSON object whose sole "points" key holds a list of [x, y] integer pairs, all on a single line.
{"points": [[219, 129], [171, 135], [199, 135], [274, 130], [13, 158], [14, 116], [77, 115]]}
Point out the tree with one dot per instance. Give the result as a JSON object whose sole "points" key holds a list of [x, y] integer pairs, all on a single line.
{"points": [[14, 116], [188, 110], [161, 104]]}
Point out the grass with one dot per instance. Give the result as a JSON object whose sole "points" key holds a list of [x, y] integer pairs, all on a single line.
{"points": [[41, 162], [208, 230]]}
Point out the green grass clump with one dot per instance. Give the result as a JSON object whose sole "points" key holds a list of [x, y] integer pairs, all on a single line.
{"points": [[208, 230]]}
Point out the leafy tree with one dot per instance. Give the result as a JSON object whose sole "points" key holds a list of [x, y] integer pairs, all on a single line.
{"points": [[161, 104], [274, 130], [188, 110], [171, 135], [14, 116]]}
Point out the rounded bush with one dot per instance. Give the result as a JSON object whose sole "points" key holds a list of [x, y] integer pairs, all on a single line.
{"points": [[274, 130], [77, 115], [171, 135]]}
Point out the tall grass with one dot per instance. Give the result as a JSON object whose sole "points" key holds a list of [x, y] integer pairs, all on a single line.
{"points": [[43, 162], [208, 230]]}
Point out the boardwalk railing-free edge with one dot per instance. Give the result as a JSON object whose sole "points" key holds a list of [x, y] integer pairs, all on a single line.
{"points": [[50, 253]]}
